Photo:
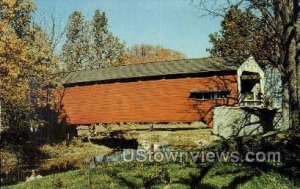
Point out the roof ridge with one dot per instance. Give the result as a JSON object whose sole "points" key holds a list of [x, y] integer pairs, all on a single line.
{"points": [[140, 64], [166, 61]]}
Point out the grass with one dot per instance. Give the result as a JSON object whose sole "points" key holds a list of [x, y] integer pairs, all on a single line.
{"points": [[64, 156], [73, 154], [18, 161], [151, 175], [269, 181], [162, 175], [224, 175]]}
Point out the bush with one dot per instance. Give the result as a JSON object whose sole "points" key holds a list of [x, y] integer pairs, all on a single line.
{"points": [[9, 160]]}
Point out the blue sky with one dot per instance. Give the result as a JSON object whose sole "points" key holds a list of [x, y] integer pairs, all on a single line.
{"points": [[174, 24]]}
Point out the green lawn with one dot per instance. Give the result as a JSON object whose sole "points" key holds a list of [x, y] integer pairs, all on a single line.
{"points": [[150, 175]]}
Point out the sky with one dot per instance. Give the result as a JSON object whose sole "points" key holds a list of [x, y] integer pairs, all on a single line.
{"points": [[174, 24]]}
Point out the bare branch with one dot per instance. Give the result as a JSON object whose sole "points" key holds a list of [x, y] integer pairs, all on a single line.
{"points": [[54, 27], [214, 7], [57, 32]]}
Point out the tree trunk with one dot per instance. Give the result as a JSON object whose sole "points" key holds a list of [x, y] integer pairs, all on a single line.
{"points": [[0, 119], [289, 18], [297, 59], [285, 105], [293, 83]]}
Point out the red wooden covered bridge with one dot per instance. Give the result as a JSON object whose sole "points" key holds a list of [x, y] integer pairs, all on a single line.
{"points": [[162, 92]]}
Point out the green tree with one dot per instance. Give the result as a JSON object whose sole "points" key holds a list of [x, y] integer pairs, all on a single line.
{"points": [[90, 45], [107, 49], [76, 48]]}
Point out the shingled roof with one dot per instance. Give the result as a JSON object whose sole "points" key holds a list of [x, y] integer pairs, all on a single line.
{"points": [[186, 66]]}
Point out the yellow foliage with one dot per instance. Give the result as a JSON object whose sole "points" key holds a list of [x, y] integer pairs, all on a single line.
{"points": [[9, 160], [146, 53], [26, 59], [12, 60]]}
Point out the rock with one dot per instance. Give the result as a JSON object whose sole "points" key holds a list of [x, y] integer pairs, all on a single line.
{"points": [[199, 124], [33, 176], [270, 133]]}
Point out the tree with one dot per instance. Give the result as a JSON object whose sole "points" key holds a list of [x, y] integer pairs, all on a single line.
{"points": [[54, 29], [107, 49], [90, 45], [26, 60], [147, 53], [242, 34], [19, 13], [14, 86], [280, 27], [76, 48]]}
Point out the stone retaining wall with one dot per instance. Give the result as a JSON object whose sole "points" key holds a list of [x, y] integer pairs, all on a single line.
{"points": [[241, 121]]}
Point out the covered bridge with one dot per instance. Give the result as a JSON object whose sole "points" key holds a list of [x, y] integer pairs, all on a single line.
{"points": [[162, 92]]}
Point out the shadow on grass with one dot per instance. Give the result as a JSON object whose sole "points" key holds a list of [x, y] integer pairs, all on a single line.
{"points": [[285, 142], [197, 182], [117, 143]]}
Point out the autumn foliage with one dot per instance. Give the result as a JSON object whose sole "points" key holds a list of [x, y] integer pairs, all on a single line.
{"points": [[144, 53], [26, 61]]}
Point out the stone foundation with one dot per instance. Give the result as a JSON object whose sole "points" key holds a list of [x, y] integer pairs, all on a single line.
{"points": [[241, 121]]}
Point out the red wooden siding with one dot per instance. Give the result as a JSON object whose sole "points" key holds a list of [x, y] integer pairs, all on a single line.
{"points": [[165, 100]]}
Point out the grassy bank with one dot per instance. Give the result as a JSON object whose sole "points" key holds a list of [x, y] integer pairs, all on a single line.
{"points": [[18, 161], [64, 156], [150, 175], [72, 154]]}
